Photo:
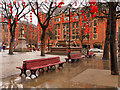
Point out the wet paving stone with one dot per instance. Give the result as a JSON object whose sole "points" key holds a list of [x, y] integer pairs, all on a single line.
{"points": [[64, 78]]}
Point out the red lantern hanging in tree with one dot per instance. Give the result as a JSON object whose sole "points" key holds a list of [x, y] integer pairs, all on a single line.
{"points": [[105, 25], [71, 18], [94, 9], [25, 27], [75, 3], [45, 1], [15, 1], [50, 27], [82, 11], [62, 18], [10, 8], [8, 23], [94, 15], [16, 32], [2, 17], [23, 4], [16, 18], [60, 4], [83, 14]]}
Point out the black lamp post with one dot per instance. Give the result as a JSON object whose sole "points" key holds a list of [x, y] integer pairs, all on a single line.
{"points": [[69, 36]]}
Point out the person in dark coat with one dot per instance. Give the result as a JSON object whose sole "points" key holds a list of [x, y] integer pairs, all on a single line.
{"points": [[33, 49]]}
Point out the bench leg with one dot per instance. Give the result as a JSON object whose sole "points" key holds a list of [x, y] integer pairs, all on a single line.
{"points": [[23, 71], [33, 72], [47, 69], [67, 60], [52, 68], [60, 65], [72, 60], [42, 70]]}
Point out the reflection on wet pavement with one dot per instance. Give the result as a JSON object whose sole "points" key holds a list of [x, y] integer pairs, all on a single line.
{"points": [[60, 78]]}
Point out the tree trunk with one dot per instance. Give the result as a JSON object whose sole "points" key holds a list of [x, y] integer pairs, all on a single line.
{"points": [[11, 45], [107, 41], [43, 43], [113, 53]]}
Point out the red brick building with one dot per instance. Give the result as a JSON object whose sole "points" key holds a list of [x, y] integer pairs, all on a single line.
{"points": [[96, 29], [30, 40]]}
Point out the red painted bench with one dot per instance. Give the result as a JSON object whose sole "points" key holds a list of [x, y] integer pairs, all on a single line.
{"points": [[37, 64], [74, 57], [90, 54]]}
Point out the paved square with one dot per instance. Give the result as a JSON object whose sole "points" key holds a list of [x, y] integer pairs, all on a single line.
{"points": [[96, 77]]}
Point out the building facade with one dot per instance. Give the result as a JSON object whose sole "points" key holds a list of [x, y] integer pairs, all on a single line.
{"points": [[92, 30], [31, 36]]}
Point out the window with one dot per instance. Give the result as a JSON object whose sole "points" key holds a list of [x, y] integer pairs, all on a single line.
{"points": [[55, 32], [55, 38], [77, 25], [76, 31], [66, 18], [73, 24], [77, 36], [95, 36], [57, 20], [95, 22], [73, 31], [73, 37], [94, 30], [65, 25]]}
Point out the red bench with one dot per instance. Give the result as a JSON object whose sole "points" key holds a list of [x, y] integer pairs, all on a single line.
{"points": [[37, 64], [74, 57], [90, 54]]}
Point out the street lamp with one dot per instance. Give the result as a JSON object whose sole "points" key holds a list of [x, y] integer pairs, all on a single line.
{"points": [[69, 37]]}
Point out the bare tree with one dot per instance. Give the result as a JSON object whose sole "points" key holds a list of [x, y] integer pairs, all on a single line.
{"points": [[13, 12], [48, 9]]}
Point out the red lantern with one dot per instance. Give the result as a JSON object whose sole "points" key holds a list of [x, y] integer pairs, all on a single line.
{"points": [[91, 6], [15, 1], [59, 6], [83, 14], [45, 1], [55, 4], [62, 18], [94, 9], [50, 27], [16, 18], [93, 15], [23, 4], [2, 17], [82, 11], [58, 32], [61, 3], [75, 3], [25, 27], [105, 25]]}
